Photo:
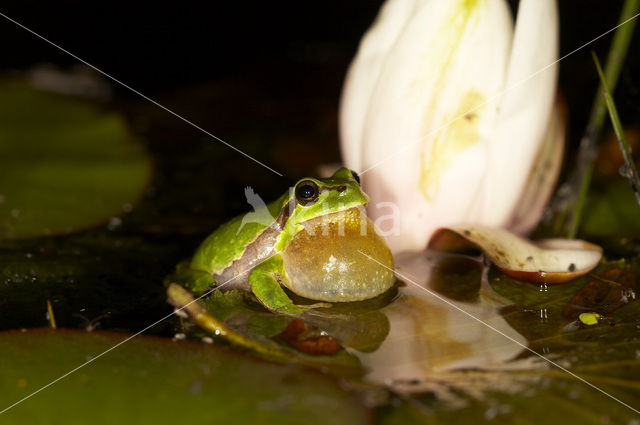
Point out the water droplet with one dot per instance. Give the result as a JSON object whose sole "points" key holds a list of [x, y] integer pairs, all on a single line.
{"points": [[114, 222]]}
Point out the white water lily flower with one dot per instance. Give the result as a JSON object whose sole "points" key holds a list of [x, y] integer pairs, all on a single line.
{"points": [[450, 114]]}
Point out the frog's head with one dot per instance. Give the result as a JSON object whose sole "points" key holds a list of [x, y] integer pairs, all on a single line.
{"points": [[324, 240], [312, 198], [320, 197]]}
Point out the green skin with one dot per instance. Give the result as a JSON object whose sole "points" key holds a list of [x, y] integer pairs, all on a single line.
{"points": [[245, 254]]}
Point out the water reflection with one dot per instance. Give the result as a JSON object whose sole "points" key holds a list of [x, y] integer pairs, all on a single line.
{"points": [[427, 336]]}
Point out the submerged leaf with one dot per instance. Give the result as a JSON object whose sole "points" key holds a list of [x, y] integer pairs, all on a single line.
{"points": [[297, 336], [606, 293]]}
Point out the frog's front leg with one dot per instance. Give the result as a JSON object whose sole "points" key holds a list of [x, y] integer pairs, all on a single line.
{"points": [[265, 281]]}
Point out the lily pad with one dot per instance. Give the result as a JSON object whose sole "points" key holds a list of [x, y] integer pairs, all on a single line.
{"points": [[158, 381], [64, 165]]}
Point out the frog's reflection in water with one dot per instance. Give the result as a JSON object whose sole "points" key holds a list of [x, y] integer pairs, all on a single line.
{"points": [[428, 335]]}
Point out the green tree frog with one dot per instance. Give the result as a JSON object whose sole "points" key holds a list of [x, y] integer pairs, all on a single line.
{"points": [[311, 241]]}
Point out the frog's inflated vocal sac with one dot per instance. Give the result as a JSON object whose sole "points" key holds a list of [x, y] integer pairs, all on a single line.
{"points": [[311, 240]]}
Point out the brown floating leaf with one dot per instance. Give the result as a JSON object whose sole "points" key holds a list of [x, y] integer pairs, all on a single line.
{"points": [[606, 293], [322, 345]]}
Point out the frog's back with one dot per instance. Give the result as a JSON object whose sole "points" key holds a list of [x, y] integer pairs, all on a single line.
{"points": [[229, 241]]}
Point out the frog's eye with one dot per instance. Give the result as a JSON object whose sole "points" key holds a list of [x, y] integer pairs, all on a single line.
{"points": [[307, 192], [355, 175]]}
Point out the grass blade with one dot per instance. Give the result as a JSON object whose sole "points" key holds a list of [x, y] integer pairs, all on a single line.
{"points": [[629, 170], [570, 197]]}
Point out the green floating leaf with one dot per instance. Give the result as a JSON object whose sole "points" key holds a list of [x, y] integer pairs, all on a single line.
{"points": [[158, 381], [63, 164]]}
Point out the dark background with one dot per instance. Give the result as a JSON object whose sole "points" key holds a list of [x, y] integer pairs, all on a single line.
{"points": [[266, 77], [286, 49]]}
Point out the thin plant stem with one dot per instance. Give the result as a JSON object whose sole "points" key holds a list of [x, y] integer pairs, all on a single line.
{"points": [[570, 198], [629, 169]]}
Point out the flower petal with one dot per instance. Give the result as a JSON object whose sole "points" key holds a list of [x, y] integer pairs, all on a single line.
{"points": [[525, 109], [543, 176], [427, 124], [547, 261], [363, 75]]}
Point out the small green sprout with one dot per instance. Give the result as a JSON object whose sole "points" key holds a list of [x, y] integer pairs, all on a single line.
{"points": [[589, 318]]}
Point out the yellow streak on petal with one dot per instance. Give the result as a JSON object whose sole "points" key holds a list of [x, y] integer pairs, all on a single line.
{"points": [[460, 19], [450, 141], [469, 5]]}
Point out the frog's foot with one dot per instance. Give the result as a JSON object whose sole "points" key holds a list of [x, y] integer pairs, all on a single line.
{"points": [[320, 305], [296, 309], [184, 302], [289, 309], [317, 305], [187, 305]]}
